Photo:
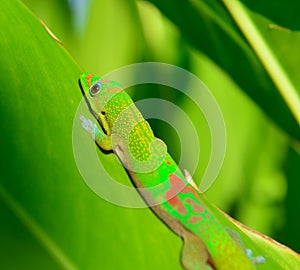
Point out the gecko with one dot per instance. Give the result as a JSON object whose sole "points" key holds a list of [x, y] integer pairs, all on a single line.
{"points": [[176, 200]]}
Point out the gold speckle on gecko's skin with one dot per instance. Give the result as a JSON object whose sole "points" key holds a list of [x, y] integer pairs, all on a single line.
{"points": [[139, 144]]}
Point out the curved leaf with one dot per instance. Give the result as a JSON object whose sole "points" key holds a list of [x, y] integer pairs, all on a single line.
{"points": [[39, 178], [40, 182], [213, 30]]}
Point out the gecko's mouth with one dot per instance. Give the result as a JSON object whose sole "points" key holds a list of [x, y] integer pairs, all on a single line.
{"points": [[84, 86]]}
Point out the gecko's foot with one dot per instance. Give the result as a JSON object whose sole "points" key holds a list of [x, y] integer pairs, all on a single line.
{"points": [[255, 260], [89, 126]]}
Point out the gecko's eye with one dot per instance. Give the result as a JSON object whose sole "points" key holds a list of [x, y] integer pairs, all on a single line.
{"points": [[95, 88]]}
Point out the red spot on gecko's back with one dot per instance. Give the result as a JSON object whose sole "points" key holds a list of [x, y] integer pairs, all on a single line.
{"points": [[195, 219], [189, 189], [196, 207], [171, 195]]}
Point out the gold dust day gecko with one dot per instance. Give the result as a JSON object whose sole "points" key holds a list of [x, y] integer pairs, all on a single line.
{"points": [[207, 244]]}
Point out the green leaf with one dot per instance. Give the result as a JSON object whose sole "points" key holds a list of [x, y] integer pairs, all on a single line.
{"points": [[258, 56], [40, 182]]}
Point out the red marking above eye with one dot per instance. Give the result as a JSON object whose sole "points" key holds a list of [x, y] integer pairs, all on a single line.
{"points": [[88, 78]]}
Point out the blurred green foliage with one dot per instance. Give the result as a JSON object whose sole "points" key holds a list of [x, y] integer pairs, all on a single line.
{"points": [[40, 183]]}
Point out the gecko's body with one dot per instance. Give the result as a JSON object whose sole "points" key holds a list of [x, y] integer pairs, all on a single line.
{"points": [[207, 244]]}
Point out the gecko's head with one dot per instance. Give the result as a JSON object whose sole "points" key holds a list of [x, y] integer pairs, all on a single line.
{"points": [[87, 80], [97, 92]]}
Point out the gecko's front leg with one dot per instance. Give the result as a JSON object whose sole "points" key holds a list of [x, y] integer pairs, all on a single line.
{"points": [[101, 139]]}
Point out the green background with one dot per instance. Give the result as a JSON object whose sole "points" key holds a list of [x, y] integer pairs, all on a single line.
{"points": [[49, 218]]}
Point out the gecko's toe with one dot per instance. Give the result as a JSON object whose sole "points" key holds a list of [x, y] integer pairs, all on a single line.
{"points": [[255, 260], [88, 126]]}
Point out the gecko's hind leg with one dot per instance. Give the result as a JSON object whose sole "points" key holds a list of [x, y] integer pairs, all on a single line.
{"points": [[194, 255]]}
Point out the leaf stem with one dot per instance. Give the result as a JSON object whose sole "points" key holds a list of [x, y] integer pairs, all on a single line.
{"points": [[276, 72]]}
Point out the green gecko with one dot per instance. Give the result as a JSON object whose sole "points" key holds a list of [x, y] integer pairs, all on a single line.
{"points": [[207, 244]]}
